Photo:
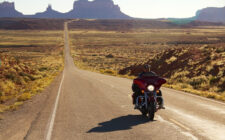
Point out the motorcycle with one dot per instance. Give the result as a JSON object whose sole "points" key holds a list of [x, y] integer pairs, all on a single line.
{"points": [[149, 99]]}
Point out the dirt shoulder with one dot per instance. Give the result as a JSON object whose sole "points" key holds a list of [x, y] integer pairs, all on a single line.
{"points": [[20, 121]]}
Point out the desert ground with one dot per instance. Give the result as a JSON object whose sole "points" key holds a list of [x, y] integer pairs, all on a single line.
{"points": [[80, 104], [191, 58], [30, 60]]}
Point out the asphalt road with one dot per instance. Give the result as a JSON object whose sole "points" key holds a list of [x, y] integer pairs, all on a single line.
{"points": [[83, 105]]}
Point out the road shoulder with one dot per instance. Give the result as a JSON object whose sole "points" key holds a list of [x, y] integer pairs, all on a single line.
{"points": [[16, 124]]}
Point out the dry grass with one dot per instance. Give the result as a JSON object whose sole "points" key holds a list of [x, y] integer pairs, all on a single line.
{"points": [[191, 59], [29, 62]]}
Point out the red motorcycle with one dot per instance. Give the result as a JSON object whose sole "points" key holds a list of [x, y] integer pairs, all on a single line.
{"points": [[147, 95]]}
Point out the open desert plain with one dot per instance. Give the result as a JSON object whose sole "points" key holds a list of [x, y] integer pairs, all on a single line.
{"points": [[72, 80]]}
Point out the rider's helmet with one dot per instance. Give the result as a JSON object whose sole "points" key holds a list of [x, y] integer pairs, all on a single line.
{"points": [[147, 68]]}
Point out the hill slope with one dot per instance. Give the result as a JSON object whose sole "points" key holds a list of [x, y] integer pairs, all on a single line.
{"points": [[211, 14], [31, 24]]}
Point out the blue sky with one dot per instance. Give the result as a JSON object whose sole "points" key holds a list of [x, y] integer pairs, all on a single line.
{"points": [[134, 8]]}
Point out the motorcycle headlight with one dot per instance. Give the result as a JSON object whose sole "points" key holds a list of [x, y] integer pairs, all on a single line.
{"points": [[151, 88]]}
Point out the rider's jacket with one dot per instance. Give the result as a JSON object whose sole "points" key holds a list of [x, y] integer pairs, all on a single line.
{"points": [[151, 73]]}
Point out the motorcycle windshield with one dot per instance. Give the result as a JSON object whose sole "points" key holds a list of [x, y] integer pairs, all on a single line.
{"points": [[153, 80]]}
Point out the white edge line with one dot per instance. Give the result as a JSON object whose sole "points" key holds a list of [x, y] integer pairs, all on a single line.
{"points": [[51, 124]]}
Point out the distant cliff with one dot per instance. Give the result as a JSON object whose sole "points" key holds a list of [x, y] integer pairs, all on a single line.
{"points": [[211, 14], [97, 9], [104, 9], [49, 13], [7, 9], [100, 9]]}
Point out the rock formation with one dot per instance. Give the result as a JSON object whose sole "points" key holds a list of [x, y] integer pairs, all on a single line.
{"points": [[7, 9], [97, 9], [211, 14]]}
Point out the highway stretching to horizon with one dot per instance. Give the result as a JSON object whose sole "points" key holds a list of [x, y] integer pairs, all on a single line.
{"points": [[83, 105]]}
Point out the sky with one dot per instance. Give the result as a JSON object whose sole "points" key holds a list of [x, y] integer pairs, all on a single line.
{"points": [[134, 8]]}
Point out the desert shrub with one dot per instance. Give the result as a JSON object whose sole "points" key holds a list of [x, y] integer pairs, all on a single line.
{"points": [[17, 59], [220, 50], [18, 103], [221, 84], [2, 109], [44, 75], [185, 85], [208, 58], [209, 68], [7, 87], [32, 78], [108, 71], [43, 69], [26, 79], [10, 76], [109, 56], [197, 81], [24, 97], [13, 107], [61, 53], [205, 86], [3, 99], [171, 60], [20, 80], [214, 80], [22, 74], [180, 76], [211, 95], [85, 60]]}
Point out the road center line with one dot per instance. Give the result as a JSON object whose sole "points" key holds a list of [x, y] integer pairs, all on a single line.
{"points": [[51, 124], [188, 134], [180, 125]]}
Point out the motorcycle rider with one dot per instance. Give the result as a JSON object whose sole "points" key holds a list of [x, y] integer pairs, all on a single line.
{"points": [[137, 90], [147, 70]]}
